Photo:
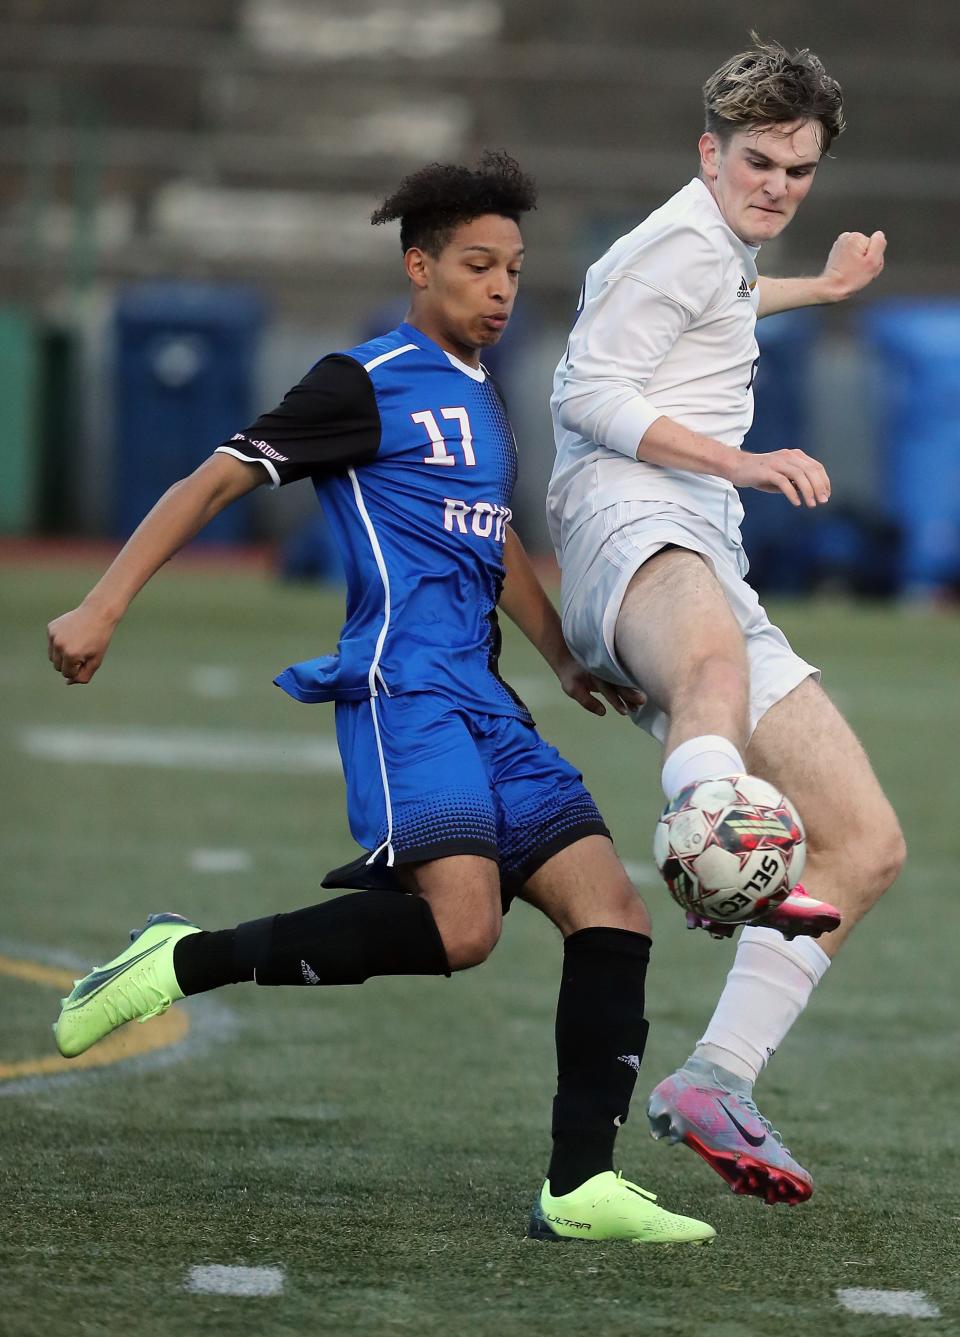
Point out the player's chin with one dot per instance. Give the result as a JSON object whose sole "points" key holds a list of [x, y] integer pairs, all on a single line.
{"points": [[764, 226], [490, 332]]}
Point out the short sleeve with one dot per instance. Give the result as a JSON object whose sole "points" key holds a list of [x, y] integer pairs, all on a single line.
{"points": [[327, 423]]}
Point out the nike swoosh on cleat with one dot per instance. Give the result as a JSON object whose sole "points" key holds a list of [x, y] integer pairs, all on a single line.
{"points": [[98, 978], [748, 1137]]}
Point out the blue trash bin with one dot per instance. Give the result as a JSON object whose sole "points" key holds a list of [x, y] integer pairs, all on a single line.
{"points": [[918, 345], [779, 543], [184, 375]]}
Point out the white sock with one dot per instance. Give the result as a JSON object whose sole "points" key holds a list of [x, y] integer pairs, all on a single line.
{"points": [[768, 986], [702, 758]]}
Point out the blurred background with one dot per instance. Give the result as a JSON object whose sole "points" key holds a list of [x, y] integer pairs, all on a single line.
{"points": [[184, 199]]}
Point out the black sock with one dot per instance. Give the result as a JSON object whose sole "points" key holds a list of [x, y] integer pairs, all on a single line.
{"points": [[204, 961], [601, 1033], [343, 941]]}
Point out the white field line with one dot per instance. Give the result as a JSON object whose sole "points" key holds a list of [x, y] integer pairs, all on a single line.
{"points": [[220, 861], [213, 682], [183, 749], [218, 1279], [891, 1304], [640, 872]]}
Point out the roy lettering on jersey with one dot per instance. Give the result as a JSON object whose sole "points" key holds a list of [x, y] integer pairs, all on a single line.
{"points": [[485, 519]]}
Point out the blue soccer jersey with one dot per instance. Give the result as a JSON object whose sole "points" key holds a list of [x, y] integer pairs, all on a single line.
{"points": [[414, 462]]}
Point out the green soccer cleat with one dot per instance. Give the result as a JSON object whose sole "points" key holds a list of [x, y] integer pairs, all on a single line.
{"points": [[609, 1207], [138, 984]]}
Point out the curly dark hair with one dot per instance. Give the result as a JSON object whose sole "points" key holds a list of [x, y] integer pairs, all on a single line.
{"points": [[433, 201], [767, 85]]}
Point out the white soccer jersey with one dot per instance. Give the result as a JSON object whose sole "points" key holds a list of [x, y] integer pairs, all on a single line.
{"points": [[666, 327]]}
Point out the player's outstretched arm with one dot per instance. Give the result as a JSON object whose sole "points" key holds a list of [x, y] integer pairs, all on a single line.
{"points": [[802, 479], [854, 261], [526, 603], [78, 640]]}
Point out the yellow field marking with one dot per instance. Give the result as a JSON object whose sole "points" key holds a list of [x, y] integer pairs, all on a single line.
{"points": [[128, 1042]]}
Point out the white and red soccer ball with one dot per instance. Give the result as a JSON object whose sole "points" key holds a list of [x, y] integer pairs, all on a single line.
{"points": [[730, 849]]}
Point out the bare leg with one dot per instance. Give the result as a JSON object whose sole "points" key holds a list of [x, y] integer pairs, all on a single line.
{"points": [[681, 642], [855, 850], [585, 886], [805, 747], [463, 892]]}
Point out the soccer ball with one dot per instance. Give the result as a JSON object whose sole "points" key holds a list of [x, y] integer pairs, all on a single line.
{"points": [[729, 849]]}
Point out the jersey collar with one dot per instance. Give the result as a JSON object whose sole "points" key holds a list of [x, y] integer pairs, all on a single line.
{"points": [[418, 337]]}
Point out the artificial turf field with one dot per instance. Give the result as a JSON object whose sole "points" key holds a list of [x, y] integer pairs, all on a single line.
{"points": [[381, 1145]]}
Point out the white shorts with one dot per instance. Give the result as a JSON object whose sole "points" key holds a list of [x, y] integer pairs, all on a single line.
{"points": [[598, 563]]}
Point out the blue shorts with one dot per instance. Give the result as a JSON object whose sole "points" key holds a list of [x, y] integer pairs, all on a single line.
{"points": [[427, 779]]}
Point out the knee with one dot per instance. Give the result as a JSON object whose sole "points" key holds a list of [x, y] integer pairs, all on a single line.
{"points": [[463, 893], [618, 905], [721, 674], [469, 944], [889, 855], [874, 853], [628, 911], [878, 854]]}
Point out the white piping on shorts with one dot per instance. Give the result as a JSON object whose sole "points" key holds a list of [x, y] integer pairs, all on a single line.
{"points": [[374, 673]]}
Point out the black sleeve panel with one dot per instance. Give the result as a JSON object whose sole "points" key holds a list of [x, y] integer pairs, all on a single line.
{"points": [[327, 423]]}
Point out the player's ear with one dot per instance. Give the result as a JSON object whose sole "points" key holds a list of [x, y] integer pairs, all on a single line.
{"points": [[709, 155], [416, 263]]}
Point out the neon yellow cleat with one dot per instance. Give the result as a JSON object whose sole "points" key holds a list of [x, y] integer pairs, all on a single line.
{"points": [[609, 1207], [138, 984]]}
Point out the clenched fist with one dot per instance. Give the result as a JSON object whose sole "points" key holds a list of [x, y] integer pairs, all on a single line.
{"points": [[854, 261], [77, 642]]}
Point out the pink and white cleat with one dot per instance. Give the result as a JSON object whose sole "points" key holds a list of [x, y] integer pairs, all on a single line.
{"points": [[713, 1113], [799, 915]]}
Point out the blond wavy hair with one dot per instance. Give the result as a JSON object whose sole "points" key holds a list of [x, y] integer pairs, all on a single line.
{"points": [[767, 85]]}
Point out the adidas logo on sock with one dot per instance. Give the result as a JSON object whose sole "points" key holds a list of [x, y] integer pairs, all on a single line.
{"points": [[631, 1060], [310, 976]]}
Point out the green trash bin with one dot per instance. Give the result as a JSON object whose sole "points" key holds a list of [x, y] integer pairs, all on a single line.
{"points": [[19, 444]]}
